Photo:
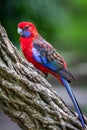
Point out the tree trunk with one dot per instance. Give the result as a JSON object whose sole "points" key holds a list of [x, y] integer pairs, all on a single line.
{"points": [[26, 97]]}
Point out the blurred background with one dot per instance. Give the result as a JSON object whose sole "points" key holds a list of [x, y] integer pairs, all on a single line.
{"points": [[64, 24]]}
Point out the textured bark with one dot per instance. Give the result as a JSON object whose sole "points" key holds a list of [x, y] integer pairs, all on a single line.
{"points": [[26, 97]]}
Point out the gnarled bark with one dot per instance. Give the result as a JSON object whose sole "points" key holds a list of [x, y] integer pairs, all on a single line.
{"points": [[26, 97]]}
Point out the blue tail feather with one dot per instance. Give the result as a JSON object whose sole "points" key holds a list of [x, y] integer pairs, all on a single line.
{"points": [[68, 88]]}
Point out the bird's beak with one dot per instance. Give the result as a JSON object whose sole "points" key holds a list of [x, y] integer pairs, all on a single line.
{"points": [[19, 31]]}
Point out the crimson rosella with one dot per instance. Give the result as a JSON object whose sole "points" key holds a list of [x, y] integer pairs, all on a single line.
{"points": [[45, 58]]}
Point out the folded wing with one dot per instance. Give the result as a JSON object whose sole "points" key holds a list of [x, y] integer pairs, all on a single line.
{"points": [[46, 55]]}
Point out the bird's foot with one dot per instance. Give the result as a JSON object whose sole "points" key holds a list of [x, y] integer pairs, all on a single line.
{"points": [[38, 71], [46, 75]]}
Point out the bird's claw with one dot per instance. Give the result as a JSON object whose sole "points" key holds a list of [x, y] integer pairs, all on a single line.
{"points": [[46, 75]]}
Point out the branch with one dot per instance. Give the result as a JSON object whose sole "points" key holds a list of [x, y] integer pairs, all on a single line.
{"points": [[26, 97]]}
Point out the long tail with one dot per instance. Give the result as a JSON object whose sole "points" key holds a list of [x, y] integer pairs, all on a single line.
{"points": [[68, 88]]}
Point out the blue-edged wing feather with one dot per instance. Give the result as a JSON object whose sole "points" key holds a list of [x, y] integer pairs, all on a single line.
{"points": [[46, 55]]}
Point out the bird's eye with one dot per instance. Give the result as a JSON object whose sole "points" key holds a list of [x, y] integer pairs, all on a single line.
{"points": [[26, 27]]}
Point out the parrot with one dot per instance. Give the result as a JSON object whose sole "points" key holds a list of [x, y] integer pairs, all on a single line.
{"points": [[45, 58]]}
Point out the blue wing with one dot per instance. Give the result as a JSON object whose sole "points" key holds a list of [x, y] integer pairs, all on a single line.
{"points": [[46, 55], [43, 60]]}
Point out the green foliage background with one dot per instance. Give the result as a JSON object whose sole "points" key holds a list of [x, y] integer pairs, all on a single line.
{"points": [[62, 22]]}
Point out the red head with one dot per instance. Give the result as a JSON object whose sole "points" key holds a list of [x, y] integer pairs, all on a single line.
{"points": [[27, 29]]}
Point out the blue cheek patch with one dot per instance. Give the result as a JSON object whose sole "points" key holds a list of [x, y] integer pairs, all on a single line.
{"points": [[26, 33]]}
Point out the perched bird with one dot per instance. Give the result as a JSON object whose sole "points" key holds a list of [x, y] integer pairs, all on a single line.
{"points": [[45, 58]]}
